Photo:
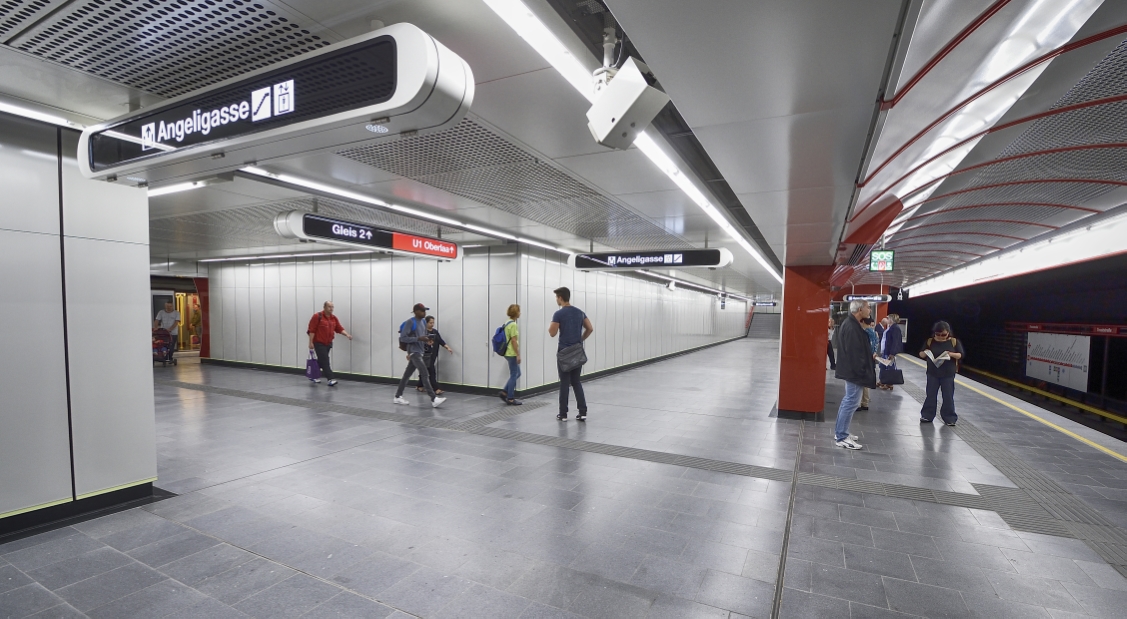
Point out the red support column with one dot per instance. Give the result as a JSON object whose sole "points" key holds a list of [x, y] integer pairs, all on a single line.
{"points": [[802, 355]]}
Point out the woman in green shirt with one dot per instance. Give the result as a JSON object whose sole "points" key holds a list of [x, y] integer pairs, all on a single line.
{"points": [[512, 355]]}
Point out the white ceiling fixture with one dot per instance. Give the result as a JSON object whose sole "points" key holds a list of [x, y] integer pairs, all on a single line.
{"points": [[177, 188], [297, 181], [526, 24], [33, 114], [1078, 243], [688, 284]]}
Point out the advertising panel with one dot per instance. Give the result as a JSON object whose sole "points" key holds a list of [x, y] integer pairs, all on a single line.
{"points": [[1058, 358]]}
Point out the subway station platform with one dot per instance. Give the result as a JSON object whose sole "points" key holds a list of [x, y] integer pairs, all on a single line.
{"points": [[676, 499]]}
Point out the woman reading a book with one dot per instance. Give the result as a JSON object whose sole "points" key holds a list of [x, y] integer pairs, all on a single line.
{"points": [[942, 353]]}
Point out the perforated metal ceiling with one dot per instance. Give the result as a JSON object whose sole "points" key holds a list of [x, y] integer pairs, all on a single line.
{"points": [[251, 226], [1045, 186], [472, 161], [165, 48]]}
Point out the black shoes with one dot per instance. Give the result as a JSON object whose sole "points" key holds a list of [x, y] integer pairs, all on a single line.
{"points": [[514, 402], [952, 424], [581, 417], [561, 417], [862, 408], [922, 420]]}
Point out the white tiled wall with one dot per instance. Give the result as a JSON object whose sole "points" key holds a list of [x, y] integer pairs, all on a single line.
{"points": [[261, 311]]}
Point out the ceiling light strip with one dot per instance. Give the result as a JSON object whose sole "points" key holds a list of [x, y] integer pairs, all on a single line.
{"points": [[303, 183], [278, 256], [25, 112], [529, 27], [681, 282]]}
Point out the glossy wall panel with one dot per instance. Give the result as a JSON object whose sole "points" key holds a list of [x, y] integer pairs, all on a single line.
{"points": [[34, 443], [111, 368], [29, 174], [634, 319]]}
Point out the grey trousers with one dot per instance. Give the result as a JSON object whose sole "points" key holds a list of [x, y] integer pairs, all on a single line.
{"points": [[416, 363]]}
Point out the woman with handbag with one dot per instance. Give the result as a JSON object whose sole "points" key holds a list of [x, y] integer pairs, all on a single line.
{"points": [[573, 327], [891, 344]]}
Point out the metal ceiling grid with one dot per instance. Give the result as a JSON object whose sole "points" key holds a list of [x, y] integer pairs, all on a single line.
{"points": [[253, 226], [472, 161], [17, 14], [1007, 191], [170, 48]]}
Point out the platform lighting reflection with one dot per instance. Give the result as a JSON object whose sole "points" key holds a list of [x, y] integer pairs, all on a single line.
{"points": [[1070, 246], [536, 34]]}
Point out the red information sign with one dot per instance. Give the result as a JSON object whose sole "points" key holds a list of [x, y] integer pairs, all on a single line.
{"points": [[423, 245]]}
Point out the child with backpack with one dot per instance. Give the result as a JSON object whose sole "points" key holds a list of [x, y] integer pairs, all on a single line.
{"points": [[413, 339], [506, 342]]}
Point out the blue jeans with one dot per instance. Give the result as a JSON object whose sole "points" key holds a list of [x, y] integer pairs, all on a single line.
{"points": [[514, 374], [845, 411]]}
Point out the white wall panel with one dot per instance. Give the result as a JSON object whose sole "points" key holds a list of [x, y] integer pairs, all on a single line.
{"points": [[108, 321], [29, 174], [360, 322], [227, 296], [634, 319], [99, 210], [257, 302], [243, 319], [272, 322], [34, 442], [385, 345]]}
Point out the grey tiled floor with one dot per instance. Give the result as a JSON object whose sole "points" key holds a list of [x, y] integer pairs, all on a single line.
{"points": [[287, 511]]}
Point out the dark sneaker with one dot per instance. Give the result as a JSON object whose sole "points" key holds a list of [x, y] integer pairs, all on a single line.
{"points": [[922, 420], [952, 424], [862, 408], [581, 417], [504, 396], [514, 402], [561, 417], [333, 383]]}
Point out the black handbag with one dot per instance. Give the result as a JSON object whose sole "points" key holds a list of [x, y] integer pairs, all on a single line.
{"points": [[571, 357], [889, 375]]}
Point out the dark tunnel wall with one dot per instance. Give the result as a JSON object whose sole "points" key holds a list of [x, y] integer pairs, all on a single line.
{"points": [[1091, 292]]}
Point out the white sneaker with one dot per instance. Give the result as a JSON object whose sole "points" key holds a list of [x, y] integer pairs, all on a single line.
{"points": [[439, 400], [333, 383], [314, 380], [849, 444], [401, 400], [853, 437]]}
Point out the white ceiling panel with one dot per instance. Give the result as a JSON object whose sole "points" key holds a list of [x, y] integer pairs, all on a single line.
{"points": [[515, 106], [619, 172]]}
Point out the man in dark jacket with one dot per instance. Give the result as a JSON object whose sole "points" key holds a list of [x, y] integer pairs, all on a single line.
{"points": [[855, 367]]}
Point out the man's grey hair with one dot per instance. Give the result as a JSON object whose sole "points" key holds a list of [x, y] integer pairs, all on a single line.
{"points": [[855, 306]]}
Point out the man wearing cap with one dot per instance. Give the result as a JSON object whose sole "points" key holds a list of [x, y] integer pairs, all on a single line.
{"points": [[413, 335]]}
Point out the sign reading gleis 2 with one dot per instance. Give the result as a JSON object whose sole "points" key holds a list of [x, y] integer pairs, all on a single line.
{"points": [[681, 258], [309, 226], [398, 77]]}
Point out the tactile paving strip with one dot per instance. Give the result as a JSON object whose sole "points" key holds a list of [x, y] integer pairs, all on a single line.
{"points": [[1039, 504]]}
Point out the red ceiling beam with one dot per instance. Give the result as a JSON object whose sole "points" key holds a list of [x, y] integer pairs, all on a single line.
{"points": [[1032, 181], [975, 221], [1064, 49], [963, 244], [993, 234], [939, 251], [1036, 153], [994, 204], [1046, 114], [888, 104]]}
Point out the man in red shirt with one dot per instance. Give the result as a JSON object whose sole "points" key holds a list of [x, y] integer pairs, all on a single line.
{"points": [[323, 327]]}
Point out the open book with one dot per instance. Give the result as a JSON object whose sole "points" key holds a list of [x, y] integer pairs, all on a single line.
{"points": [[937, 361]]}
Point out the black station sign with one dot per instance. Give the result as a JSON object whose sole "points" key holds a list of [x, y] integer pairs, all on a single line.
{"points": [[309, 226], [765, 304], [681, 258], [871, 298], [327, 84]]}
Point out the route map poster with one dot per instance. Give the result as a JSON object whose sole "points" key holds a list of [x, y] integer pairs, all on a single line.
{"points": [[1058, 358]]}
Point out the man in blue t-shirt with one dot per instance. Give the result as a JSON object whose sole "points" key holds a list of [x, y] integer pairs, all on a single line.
{"points": [[573, 327]]}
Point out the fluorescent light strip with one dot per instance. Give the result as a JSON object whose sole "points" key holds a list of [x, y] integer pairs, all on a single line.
{"points": [[177, 188], [1076, 244], [297, 255], [359, 197], [24, 112], [681, 282], [536, 34]]}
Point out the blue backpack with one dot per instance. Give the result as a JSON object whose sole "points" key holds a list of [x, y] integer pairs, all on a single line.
{"points": [[500, 341], [414, 329]]}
